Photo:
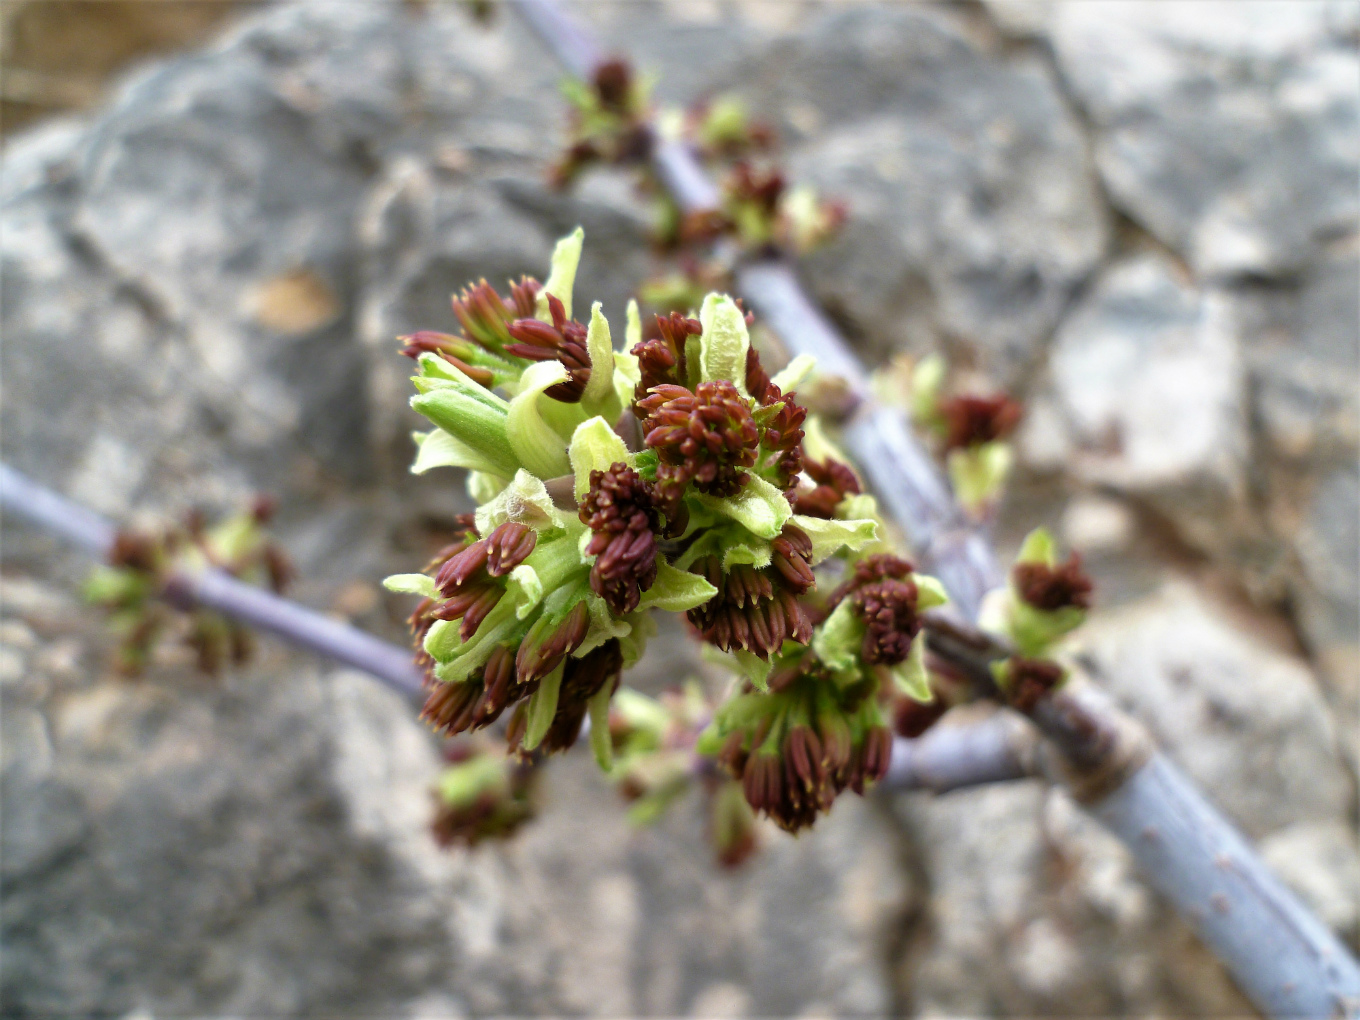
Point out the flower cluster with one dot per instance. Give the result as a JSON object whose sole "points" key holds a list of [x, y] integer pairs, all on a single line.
{"points": [[481, 795], [609, 120], [612, 123], [1044, 602], [759, 210], [141, 563], [972, 428], [661, 477]]}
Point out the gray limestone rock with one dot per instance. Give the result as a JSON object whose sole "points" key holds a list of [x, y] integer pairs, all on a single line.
{"points": [[1149, 398], [1228, 130], [972, 213]]}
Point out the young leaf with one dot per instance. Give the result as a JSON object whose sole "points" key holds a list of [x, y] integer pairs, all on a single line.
{"points": [[533, 441], [411, 584], [1038, 547], [675, 591], [594, 447], [929, 591], [600, 387], [791, 376], [524, 501], [759, 507], [438, 448], [542, 707], [910, 676], [829, 537], [724, 342], [600, 741], [837, 641], [566, 257]]}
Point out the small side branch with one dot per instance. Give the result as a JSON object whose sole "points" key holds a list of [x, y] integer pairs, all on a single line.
{"points": [[214, 589], [993, 750]]}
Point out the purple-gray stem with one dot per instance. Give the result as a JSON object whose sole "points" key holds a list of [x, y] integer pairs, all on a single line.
{"points": [[215, 589]]}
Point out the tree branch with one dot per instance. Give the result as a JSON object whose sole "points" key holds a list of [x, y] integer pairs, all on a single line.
{"points": [[1281, 956], [215, 589]]}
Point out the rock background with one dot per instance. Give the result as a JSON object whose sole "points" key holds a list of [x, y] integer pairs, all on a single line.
{"points": [[1140, 215]]}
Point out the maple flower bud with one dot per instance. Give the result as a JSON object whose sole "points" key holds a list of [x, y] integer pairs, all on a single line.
{"points": [[1051, 588], [482, 795], [705, 436], [972, 420], [731, 825], [485, 316], [834, 481], [911, 718], [563, 340], [1026, 681], [661, 359], [621, 511]]}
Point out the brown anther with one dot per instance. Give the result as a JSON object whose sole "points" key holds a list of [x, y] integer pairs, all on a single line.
{"points": [[973, 420], [508, 546], [1053, 588], [563, 341]]}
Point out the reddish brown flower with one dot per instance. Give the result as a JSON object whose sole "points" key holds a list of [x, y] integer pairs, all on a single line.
{"points": [[757, 610], [781, 441], [613, 81], [872, 759], [911, 718], [550, 641], [453, 349], [582, 679], [1052, 588], [761, 188], [485, 316], [884, 596], [973, 420], [834, 481], [1029, 680], [661, 359], [495, 813], [564, 340], [706, 437], [621, 510], [467, 578]]}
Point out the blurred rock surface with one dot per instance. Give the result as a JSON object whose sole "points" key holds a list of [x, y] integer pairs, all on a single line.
{"points": [[200, 289]]}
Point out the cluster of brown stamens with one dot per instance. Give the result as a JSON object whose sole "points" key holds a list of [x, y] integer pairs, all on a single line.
{"points": [[705, 436], [466, 578], [621, 511], [1029, 680], [563, 340], [803, 778], [973, 420], [833, 482], [757, 610], [486, 316], [661, 358], [582, 679], [781, 442], [1053, 588], [884, 596], [628, 140]]}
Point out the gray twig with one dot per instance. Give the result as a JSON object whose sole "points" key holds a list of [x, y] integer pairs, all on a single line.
{"points": [[215, 589]]}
